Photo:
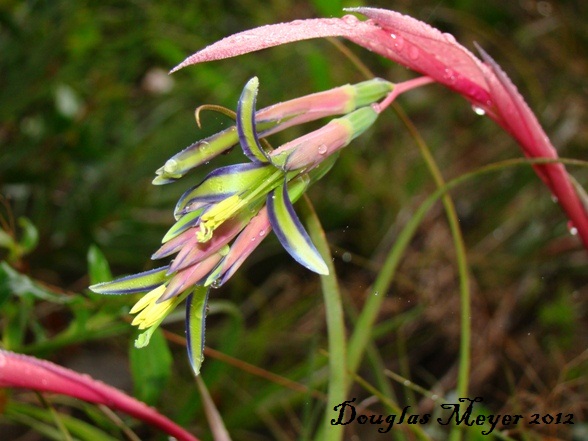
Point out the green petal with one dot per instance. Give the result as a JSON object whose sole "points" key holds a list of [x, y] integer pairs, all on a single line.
{"points": [[142, 282], [195, 326], [291, 233]]}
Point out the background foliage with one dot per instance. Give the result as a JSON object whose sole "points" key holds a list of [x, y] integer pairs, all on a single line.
{"points": [[87, 113]]}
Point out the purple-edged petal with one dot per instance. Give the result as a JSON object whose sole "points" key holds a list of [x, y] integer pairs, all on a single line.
{"points": [[195, 326], [185, 222], [196, 154], [291, 233], [221, 184], [142, 282], [246, 123]]}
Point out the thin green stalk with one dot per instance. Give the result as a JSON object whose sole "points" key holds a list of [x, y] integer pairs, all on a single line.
{"points": [[463, 375], [338, 379]]}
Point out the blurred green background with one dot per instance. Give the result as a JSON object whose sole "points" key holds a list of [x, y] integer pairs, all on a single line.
{"points": [[88, 113]]}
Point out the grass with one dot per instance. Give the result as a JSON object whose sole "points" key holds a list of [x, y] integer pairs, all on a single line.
{"points": [[453, 272]]}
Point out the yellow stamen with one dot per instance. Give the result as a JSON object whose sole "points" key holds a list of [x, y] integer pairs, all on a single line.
{"points": [[213, 218]]}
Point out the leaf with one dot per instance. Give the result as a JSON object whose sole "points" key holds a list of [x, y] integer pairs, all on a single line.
{"points": [[151, 368], [291, 233], [30, 235], [14, 283], [196, 325], [98, 268]]}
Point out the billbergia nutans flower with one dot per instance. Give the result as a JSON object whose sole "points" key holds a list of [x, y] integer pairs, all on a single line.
{"points": [[223, 219], [220, 221]]}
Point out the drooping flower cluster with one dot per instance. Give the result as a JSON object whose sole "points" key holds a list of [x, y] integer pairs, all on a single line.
{"points": [[220, 221]]}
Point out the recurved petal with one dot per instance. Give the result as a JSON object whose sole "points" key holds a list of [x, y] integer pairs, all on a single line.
{"points": [[291, 233], [195, 326], [141, 282], [246, 123]]}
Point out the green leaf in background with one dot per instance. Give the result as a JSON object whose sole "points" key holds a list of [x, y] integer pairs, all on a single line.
{"points": [[14, 283], [98, 268], [30, 236], [328, 8], [151, 368]]}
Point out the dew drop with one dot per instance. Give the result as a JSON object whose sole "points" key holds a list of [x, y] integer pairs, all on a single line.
{"points": [[406, 382], [346, 257], [350, 19], [572, 229], [216, 283], [322, 149], [376, 293], [261, 233], [398, 42], [449, 37], [413, 52], [478, 110], [449, 75], [171, 165], [554, 199]]}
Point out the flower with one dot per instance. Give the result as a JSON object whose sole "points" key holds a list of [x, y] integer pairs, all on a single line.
{"points": [[241, 203], [440, 57]]}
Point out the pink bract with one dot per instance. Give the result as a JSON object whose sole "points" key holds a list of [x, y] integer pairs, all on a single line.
{"points": [[437, 55]]}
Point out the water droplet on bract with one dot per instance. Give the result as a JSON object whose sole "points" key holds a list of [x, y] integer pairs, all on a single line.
{"points": [[253, 239], [322, 149], [554, 199], [216, 283], [350, 19], [449, 75], [572, 229], [449, 37], [478, 110], [413, 52], [261, 233], [204, 146], [398, 42], [377, 108]]}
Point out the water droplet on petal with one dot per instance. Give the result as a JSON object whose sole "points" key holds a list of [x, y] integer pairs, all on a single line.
{"points": [[322, 149], [413, 52], [554, 199], [398, 42], [350, 19], [216, 283], [449, 37], [478, 110], [261, 233]]}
